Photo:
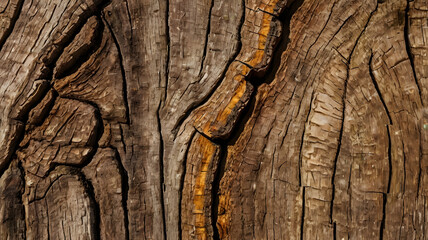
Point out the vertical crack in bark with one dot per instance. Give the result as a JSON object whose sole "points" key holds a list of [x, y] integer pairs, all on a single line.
{"points": [[389, 159], [404, 188], [284, 40], [339, 142], [385, 195], [408, 48], [303, 139], [161, 169], [256, 80], [22, 171], [122, 69], [382, 223], [361, 34], [95, 206], [130, 22], [125, 190], [302, 221], [423, 232], [207, 34], [13, 21], [372, 77], [220, 168], [215, 190], [180, 234], [168, 53], [322, 30], [419, 163], [47, 217], [159, 122], [335, 229], [348, 62]]}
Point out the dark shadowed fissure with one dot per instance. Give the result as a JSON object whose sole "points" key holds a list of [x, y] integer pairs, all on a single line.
{"points": [[95, 207], [256, 81], [408, 47]]}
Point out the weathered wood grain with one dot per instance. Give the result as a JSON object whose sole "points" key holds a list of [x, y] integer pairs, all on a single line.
{"points": [[216, 119]]}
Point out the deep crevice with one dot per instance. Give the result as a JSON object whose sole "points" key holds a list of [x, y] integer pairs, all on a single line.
{"points": [[161, 170], [336, 158], [95, 205], [382, 223], [208, 31], [125, 190], [343, 116], [279, 48], [389, 159], [378, 90], [50, 63], [82, 54], [22, 171], [419, 164], [47, 218], [302, 140], [335, 230], [48, 108], [168, 53], [361, 34], [322, 30], [221, 164], [181, 187], [404, 166], [409, 49], [302, 221], [218, 175], [256, 80]]}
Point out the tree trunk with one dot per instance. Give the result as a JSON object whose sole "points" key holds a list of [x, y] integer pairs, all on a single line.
{"points": [[213, 119]]}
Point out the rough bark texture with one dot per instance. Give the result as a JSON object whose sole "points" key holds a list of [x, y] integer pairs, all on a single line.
{"points": [[213, 119]]}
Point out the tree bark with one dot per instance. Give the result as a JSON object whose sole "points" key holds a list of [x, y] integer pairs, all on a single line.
{"points": [[213, 119]]}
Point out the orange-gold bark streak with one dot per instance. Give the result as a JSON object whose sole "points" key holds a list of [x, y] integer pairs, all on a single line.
{"points": [[255, 60], [224, 211], [208, 150]]}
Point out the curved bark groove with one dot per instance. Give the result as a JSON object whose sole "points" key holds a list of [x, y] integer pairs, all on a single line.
{"points": [[217, 119]]}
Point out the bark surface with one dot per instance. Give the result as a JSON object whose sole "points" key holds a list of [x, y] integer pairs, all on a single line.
{"points": [[213, 119]]}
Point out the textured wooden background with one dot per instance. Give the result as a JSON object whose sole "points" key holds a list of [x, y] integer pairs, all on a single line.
{"points": [[213, 119]]}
